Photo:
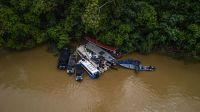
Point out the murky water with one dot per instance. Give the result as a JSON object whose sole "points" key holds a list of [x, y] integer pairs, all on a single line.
{"points": [[30, 82]]}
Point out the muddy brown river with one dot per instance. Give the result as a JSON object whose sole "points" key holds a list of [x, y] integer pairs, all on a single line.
{"points": [[30, 82]]}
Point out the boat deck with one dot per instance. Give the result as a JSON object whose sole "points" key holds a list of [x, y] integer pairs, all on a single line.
{"points": [[72, 60], [84, 54], [97, 50], [94, 40], [82, 51], [93, 72]]}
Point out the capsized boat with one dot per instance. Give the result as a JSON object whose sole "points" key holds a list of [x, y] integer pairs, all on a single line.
{"points": [[100, 52], [92, 71], [135, 65], [78, 72]]}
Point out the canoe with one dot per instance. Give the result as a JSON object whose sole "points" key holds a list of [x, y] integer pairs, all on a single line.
{"points": [[71, 64], [78, 72], [63, 59], [129, 63], [135, 65], [146, 68]]}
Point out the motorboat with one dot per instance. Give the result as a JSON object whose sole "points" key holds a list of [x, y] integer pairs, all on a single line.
{"points": [[92, 71]]}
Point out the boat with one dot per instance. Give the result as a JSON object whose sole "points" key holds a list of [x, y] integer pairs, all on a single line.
{"points": [[146, 68], [94, 59], [129, 63], [110, 49], [78, 72], [71, 64], [63, 59], [98, 43], [135, 65], [83, 53], [92, 71], [102, 53]]}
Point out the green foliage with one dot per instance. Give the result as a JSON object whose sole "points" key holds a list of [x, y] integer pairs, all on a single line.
{"points": [[90, 16], [131, 25], [59, 33], [146, 15], [195, 30], [42, 6]]}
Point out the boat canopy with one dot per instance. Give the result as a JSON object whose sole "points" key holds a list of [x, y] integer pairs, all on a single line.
{"points": [[94, 40]]}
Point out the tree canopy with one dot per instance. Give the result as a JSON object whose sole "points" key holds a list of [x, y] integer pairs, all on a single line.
{"points": [[131, 25]]}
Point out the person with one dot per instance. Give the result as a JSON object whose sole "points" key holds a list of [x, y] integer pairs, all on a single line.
{"points": [[142, 67]]}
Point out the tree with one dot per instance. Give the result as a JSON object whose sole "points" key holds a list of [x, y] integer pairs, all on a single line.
{"points": [[90, 16], [146, 15], [130, 25]]}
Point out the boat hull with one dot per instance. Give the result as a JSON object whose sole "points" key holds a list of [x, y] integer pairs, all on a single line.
{"points": [[147, 68], [91, 75], [129, 66], [100, 52], [135, 65], [92, 71]]}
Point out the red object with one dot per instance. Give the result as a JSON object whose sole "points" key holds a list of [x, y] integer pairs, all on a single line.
{"points": [[94, 40]]}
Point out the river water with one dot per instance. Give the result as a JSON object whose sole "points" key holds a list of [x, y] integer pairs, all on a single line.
{"points": [[30, 82]]}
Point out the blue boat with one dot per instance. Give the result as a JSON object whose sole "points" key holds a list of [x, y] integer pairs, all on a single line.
{"points": [[129, 63], [135, 65]]}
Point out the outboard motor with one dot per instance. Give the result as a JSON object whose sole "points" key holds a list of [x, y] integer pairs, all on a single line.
{"points": [[152, 68]]}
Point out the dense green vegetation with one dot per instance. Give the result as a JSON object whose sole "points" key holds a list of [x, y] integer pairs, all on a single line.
{"points": [[132, 25]]}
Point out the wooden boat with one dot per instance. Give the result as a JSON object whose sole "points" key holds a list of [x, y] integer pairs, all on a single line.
{"points": [[135, 65], [63, 59], [100, 52], [110, 49], [71, 64], [78, 72], [129, 63], [98, 43]]}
